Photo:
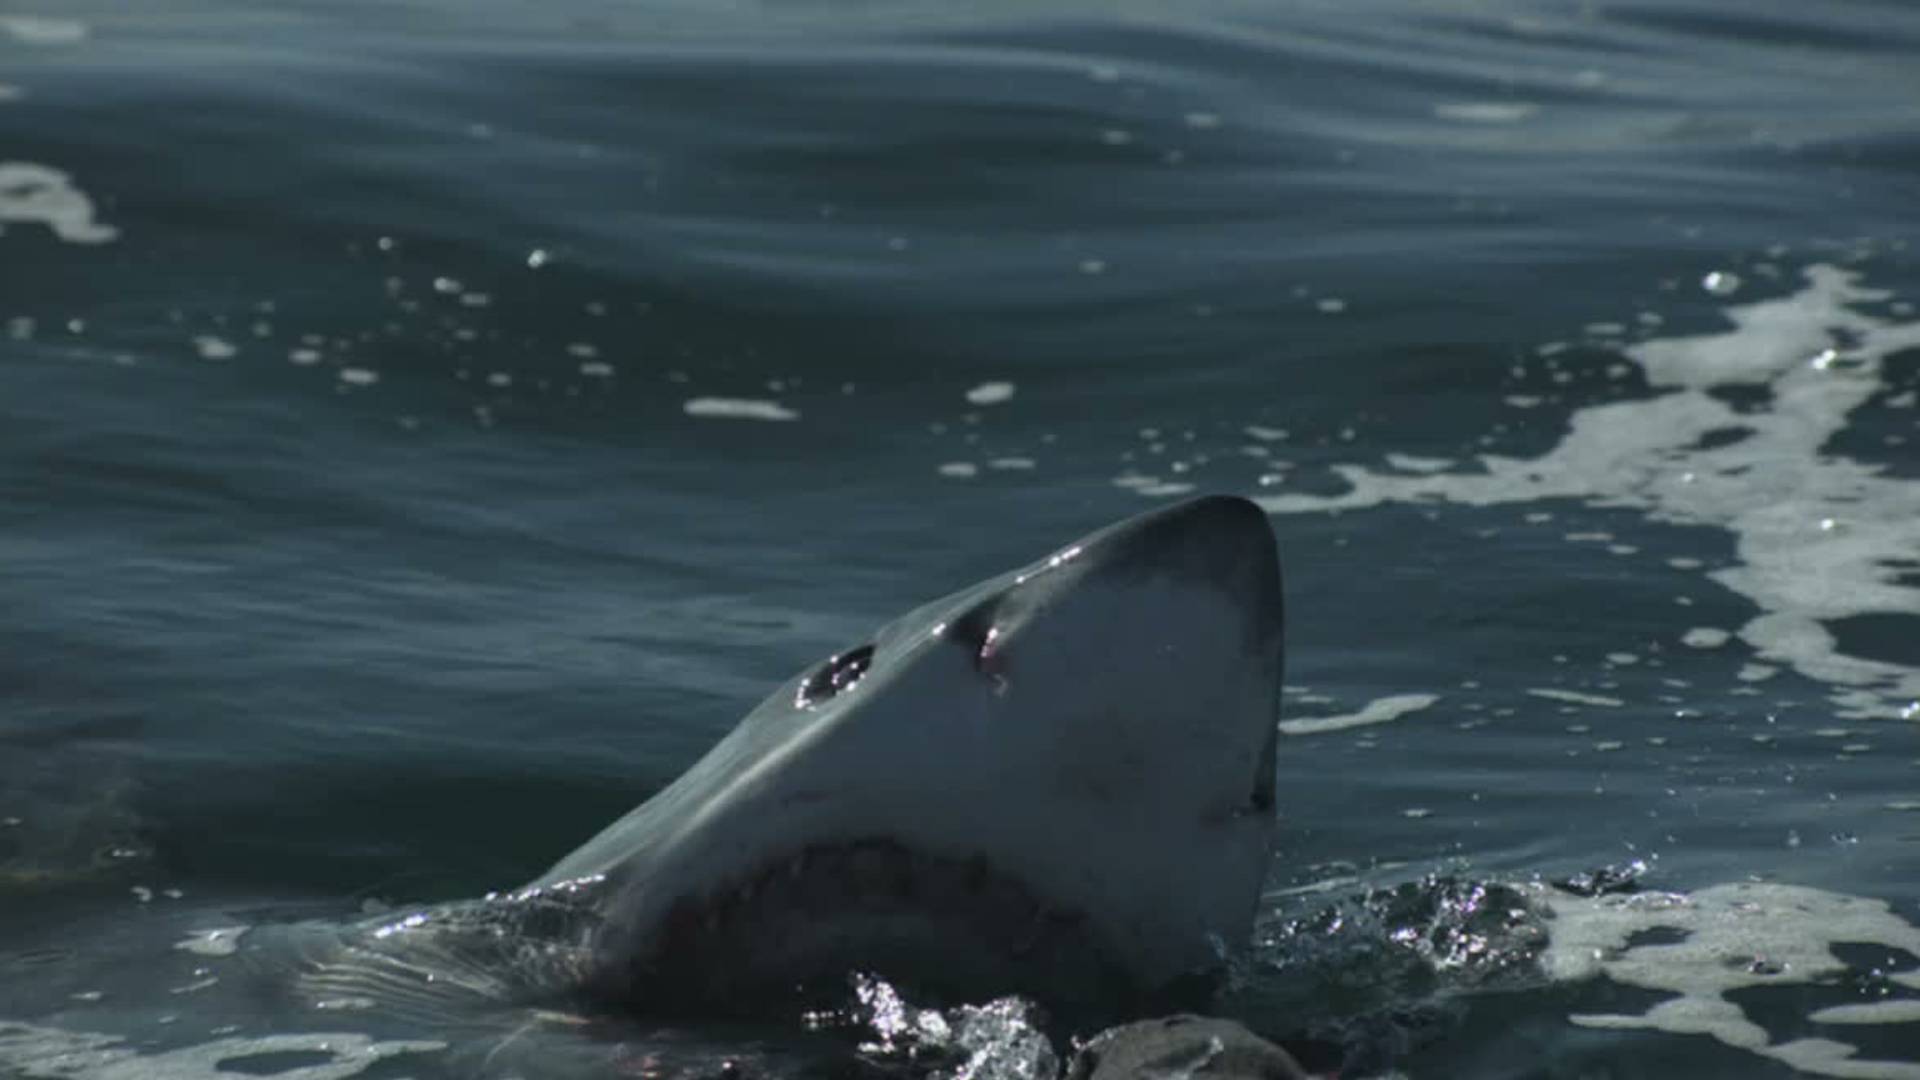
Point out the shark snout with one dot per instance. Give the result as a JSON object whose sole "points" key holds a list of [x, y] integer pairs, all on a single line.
{"points": [[1221, 542], [1225, 545]]}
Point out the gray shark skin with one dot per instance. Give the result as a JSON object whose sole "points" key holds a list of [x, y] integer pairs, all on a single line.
{"points": [[1058, 782]]}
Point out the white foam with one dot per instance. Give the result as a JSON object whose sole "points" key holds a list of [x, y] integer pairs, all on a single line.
{"points": [[1382, 711], [210, 347], [720, 408], [43, 29], [1901, 1011], [217, 941], [1772, 489], [40, 194], [1723, 939], [991, 393], [1705, 637], [1412, 463], [1486, 112], [1575, 697], [1152, 487]]}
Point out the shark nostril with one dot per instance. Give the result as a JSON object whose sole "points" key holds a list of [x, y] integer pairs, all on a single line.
{"points": [[991, 662], [836, 675], [978, 631], [974, 627]]}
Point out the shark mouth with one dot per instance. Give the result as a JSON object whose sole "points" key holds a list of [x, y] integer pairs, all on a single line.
{"points": [[794, 929]]}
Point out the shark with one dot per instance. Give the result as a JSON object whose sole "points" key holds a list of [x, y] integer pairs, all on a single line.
{"points": [[1057, 783]]}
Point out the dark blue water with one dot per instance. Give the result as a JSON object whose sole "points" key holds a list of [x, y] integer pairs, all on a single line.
{"points": [[425, 427]]}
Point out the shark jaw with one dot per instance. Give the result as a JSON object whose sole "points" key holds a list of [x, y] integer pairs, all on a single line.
{"points": [[1056, 782]]}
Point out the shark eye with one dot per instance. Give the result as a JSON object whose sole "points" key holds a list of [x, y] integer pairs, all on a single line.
{"points": [[834, 676]]}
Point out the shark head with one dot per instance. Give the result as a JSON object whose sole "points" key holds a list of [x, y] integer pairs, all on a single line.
{"points": [[1058, 781]]}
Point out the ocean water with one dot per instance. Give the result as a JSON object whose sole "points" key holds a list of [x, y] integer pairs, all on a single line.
{"points": [[426, 426]]}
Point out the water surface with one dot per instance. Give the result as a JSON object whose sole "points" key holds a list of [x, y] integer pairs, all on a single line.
{"points": [[424, 428]]}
